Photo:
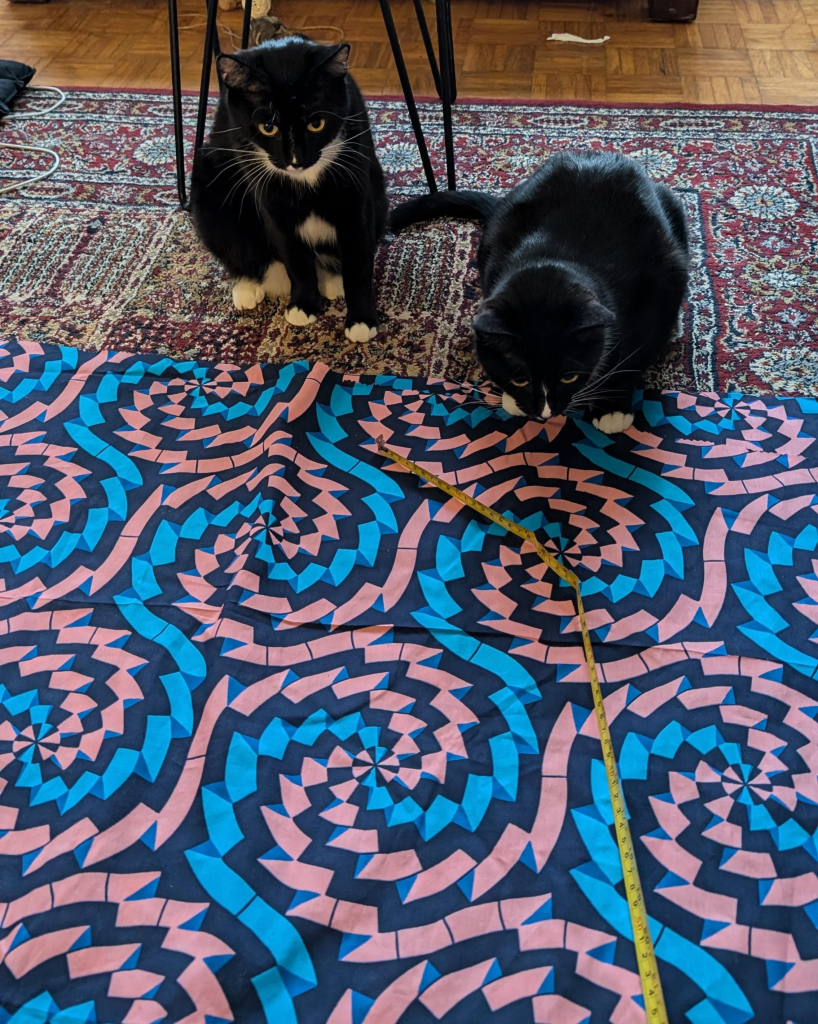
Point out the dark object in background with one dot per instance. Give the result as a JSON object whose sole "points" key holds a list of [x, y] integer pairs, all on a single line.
{"points": [[14, 77], [673, 10]]}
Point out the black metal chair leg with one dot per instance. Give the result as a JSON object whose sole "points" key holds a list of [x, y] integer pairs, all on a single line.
{"points": [[427, 42], [207, 64], [409, 96], [176, 79], [245, 31], [444, 44]]}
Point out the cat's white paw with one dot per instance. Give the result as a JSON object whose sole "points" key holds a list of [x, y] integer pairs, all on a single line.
{"points": [[511, 407], [331, 286], [360, 332], [614, 422], [299, 317], [276, 281], [247, 294]]}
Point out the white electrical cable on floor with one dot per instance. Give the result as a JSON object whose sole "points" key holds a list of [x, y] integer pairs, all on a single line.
{"points": [[16, 115], [37, 177], [38, 113]]}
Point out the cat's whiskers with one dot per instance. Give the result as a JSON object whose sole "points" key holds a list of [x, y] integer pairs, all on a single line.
{"points": [[228, 149], [469, 403], [350, 117], [256, 184], [589, 399], [232, 165], [239, 180], [353, 137], [482, 389], [242, 179], [341, 165], [249, 184], [259, 180], [585, 402], [593, 385]]}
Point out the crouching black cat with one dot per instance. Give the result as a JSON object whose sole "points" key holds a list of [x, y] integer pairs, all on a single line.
{"points": [[287, 191], [584, 267]]}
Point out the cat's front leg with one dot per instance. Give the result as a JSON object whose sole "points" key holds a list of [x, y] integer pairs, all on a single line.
{"points": [[358, 269], [305, 299], [613, 415]]}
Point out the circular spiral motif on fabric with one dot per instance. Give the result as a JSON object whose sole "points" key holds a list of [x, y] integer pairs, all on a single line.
{"points": [[40, 487], [732, 792], [64, 704]]}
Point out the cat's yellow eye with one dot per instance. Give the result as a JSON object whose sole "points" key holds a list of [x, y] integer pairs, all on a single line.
{"points": [[317, 125], [569, 380], [521, 382], [268, 129]]}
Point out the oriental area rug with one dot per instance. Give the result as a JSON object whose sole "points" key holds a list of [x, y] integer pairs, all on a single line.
{"points": [[100, 256]]}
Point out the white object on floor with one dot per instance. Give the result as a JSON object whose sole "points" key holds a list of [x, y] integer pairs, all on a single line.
{"points": [[37, 177], [18, 114], [566, 37]]}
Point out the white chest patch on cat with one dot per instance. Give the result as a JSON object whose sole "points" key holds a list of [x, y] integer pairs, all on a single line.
{"points": [[315, 231]]}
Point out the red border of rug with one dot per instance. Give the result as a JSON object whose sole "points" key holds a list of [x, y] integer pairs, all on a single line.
{"points": [[506, 102]]}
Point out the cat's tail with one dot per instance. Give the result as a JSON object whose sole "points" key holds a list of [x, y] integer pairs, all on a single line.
{"points": [[471, 205]]}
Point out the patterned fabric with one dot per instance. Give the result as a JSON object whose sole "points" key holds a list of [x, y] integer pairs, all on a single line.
{"points": [[121, 268], [286, 736]]}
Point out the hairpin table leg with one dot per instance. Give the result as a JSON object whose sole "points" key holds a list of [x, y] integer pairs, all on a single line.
{"points": [[176, 79], [427, 42], [207, 65], [452, 72], [445, 57], [397, 53]]}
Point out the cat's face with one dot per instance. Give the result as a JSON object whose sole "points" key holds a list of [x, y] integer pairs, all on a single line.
{"points": [[289, 98], [541, 340]]}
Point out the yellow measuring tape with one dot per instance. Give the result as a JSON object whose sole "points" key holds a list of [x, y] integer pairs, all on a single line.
{"points": [[643, 944]]}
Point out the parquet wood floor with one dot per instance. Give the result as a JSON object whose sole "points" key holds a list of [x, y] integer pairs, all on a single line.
{"points": [[737, 51]]}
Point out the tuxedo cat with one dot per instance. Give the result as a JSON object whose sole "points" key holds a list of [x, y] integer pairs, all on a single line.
{"points": [[584, 267], [287, 191]]}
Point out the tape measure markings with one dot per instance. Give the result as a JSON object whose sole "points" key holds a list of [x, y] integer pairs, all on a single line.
{"points": [[643, 944]]}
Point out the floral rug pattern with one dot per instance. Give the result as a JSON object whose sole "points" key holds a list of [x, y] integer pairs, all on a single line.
{"points": [[100, 256]]}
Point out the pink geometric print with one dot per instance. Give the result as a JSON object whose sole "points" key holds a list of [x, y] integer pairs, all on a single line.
{"points": [[286, 735]]}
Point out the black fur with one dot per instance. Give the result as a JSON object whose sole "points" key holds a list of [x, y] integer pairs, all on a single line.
{"points": [[247, 207], [472, 205], [584, 267]]}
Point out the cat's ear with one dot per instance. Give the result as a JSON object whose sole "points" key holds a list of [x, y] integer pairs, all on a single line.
{"points": [[594, 316], [489, 323], [335, 62], [235, 74]]}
